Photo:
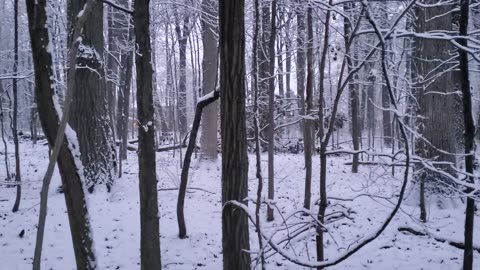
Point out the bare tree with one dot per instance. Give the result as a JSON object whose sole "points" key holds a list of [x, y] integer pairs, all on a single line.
{"points": [[208, 139], [183, 30], [353, 89], [308, 123], [149, 216], [18, 178], [271, 110], [235, 238], [433, 90], [90, 118], [300, 70], [469, 132], [54, 131], [324, 139], [258, 162]]}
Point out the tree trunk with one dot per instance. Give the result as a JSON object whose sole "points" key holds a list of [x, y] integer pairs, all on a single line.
{"points": [[300, 68], [182, 36], [208, 141], [188, 159], [281, 87], [116, 28], [235, 237], [271, 111], [71, 179], [123, 105], [258, 161], [386, 114], [469, 134], [437, 111], [263, 52], [307, 124], [149, 215], [18, 178], [90, 118], [324, 141], [353, 91], [288, 60]]}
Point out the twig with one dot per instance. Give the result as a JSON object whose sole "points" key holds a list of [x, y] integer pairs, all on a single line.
{"points": [[176, 188]]}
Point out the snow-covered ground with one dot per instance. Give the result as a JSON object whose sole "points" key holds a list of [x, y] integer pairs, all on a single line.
{"points": [[115, 218]]}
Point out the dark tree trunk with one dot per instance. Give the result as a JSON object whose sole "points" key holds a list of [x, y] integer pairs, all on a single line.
{"points": [[235, 238], [281, 86], [90, 118], [307, 124], [188, 159], [271, 110], [71, 180], [256, 128], [438, 110], [18, 178], [149, 215], [300, 68], [324, 141], [469, 134]]}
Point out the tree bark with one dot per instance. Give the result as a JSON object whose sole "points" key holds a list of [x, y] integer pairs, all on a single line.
{"points": [[435, 109], [235, 236], [271, 110], [300, 69], [49, 118], [324, 141], [18, 178], [90, 118], [208, 139], [149, 215], [469, 133], [258, 161], [123, 106], [182, 36], [353, 91], [187, 160]]}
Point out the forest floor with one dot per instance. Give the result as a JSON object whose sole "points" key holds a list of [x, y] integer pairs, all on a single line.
{"points": [[116, 225]]}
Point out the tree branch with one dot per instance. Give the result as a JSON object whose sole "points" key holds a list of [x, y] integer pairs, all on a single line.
{"points": [[115, 6]]}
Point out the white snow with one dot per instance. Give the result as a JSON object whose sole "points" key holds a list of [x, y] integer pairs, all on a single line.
{"points": [[116, 224]]}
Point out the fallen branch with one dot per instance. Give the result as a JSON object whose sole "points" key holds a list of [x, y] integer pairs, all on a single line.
{"points": [[452, 243], [173, 147], [194, 188]]}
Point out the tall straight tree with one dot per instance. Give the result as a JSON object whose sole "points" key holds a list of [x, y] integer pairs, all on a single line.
{"points": [[209, 75], [307, 123], [300, 69], [325, 137], [271, 110], [123, 101], [235, 238], [149, 223], [90, 117], [434, 82], [353, 89], [15, 109], [469, 133], [183, 32]]}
